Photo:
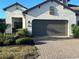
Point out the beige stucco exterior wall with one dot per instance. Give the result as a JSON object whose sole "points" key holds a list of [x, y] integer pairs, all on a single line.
{"points": [[43, 13], [12, 12]]}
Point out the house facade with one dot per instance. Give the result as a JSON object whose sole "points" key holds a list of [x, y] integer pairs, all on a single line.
{"points": [[49, 18]]}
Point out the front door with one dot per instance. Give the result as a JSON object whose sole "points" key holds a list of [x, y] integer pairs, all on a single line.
{"points": [[17, 23]]}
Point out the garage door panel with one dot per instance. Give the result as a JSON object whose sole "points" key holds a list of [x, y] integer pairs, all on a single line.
{"points": [[38, 29], [56, 29], [49, 28]]}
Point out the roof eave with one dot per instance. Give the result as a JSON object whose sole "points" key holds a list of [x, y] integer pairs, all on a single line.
{"points": [[13, 5]]}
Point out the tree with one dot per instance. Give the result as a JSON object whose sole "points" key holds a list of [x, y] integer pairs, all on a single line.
{"points": [[3, 27]]}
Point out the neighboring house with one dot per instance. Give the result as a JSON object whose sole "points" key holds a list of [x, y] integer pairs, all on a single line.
{"points": [[49, 18], [76, 9]]}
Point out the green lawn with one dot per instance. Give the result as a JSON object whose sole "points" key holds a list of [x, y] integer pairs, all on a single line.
{"points": [[18, 52]]}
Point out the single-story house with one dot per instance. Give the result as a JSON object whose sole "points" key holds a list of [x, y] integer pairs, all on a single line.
{"points": [[49, 18]]}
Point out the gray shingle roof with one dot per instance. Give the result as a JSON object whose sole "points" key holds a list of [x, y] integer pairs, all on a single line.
{"points": [[46, 2]]}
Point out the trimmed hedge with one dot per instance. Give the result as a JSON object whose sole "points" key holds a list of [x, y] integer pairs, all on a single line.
{"points": [[20, 41], [6, 36], [9, 42], [24, 41]]}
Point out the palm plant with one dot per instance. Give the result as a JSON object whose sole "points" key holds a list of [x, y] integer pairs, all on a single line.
{"points": [[3, 27]]}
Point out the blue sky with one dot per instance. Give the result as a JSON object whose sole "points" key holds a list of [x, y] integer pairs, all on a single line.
{"points": [[26, 3]]}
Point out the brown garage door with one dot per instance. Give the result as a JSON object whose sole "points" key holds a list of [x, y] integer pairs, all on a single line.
{"points": [[49, 27]]}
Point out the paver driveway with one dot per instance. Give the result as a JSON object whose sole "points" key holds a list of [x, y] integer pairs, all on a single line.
{"points": [[58, 48]]}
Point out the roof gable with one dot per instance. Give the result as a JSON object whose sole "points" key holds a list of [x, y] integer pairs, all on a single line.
{"points": [[46, 2], [14, 5]]}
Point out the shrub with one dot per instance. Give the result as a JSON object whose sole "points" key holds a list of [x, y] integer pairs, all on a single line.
{"points": [[9, 42], [1, 36], [6, 36], [6, 39], [3, 27], [9, 36], [24, 41], [21, 32], [1, 39], [75, 31], [1, 42]]}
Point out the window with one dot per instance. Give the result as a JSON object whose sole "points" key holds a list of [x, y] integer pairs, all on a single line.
{"points": [[52, 10]]}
